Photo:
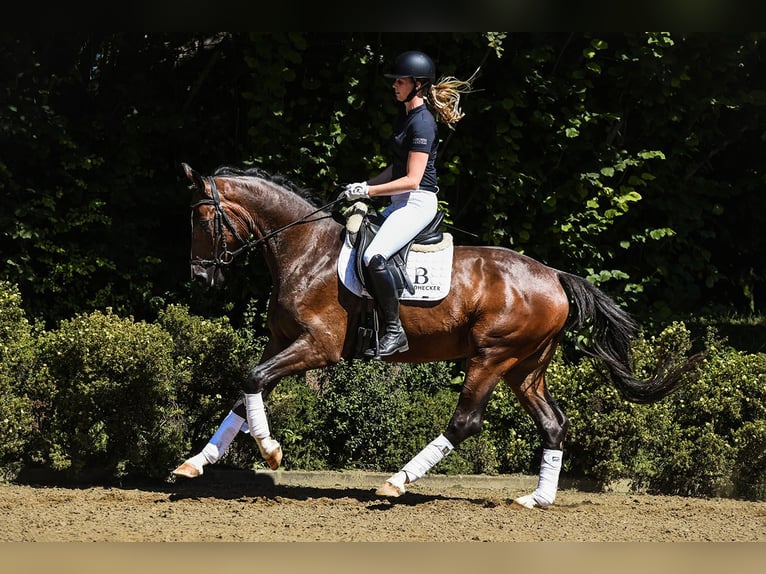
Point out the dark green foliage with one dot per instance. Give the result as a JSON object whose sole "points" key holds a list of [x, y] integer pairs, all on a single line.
{"points": [[631, 158], [704, 440], [597, 415], [750, 464], [120, 397], [512, 433], [713, 428], [363, 414], [370, 415]]}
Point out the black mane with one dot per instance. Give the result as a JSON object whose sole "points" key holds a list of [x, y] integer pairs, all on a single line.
{"points": [[305, 193]]}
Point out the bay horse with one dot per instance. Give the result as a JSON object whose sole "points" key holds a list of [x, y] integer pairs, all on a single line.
{"points": [[504, 316]]}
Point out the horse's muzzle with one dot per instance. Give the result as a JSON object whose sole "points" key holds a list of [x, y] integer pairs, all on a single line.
{"points": [[209, 276]]}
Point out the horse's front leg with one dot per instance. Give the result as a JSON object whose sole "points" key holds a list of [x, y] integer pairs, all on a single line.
{"points": [[300, 356], [219, 443], [263, 378]]}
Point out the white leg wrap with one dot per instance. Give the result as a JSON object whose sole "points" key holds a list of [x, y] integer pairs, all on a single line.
{"points": [[258, 424], [222, 438], [256, 416], [427, 458], [198, 461], [266, 445], [548, 483], [399, 480]]}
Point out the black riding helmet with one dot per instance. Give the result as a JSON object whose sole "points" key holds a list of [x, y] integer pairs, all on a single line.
{"points": [[416, 65]]}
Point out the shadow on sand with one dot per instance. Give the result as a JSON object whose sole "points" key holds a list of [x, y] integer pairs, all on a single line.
{"points": [[227, 484]]}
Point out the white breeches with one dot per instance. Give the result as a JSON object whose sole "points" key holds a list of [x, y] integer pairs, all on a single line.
{"points": [[407, 215]]}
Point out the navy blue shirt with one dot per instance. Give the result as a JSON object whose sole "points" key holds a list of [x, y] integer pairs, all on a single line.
{"points": [[416, 131]]}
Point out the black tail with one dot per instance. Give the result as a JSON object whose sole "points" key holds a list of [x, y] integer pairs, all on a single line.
{"points": [[612, 330]]}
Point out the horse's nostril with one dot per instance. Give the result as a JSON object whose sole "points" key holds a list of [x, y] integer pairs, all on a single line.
{"points": [[207, 277], [199, 274]]}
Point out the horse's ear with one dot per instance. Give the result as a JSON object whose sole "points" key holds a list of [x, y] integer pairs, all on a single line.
{"points": [[194, 177]]}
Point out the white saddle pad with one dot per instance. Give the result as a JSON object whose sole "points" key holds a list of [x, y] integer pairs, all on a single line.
{"points": [[430, 273]]}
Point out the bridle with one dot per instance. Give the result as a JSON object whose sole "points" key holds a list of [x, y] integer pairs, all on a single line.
{"points": [[223, 256]]}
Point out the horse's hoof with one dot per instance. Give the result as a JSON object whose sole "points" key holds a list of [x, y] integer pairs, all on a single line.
{"points": [[271, 451], [528, 502], [274, 458], [188, 470], [389, 490]]}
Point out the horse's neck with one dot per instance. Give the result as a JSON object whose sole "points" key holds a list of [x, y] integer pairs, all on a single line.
{"points": [[273, 207], [289, 251]]}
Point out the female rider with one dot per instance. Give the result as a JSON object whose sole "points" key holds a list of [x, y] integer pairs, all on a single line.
{"points": [[410, 181]]}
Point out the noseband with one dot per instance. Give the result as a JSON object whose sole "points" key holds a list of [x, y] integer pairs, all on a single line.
{"points": [[224, 256]]}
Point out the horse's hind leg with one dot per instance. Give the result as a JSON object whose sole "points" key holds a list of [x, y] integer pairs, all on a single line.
{"points": [[552, 424], [466, 421]]}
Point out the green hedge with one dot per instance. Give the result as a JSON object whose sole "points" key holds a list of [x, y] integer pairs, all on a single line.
{"points": [[17, 360], [110, 400], [118, 397]]}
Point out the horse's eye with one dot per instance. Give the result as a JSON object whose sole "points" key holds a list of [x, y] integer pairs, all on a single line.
{"points": [[206, 224]]}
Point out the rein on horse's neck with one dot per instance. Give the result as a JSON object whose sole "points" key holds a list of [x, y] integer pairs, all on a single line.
{"points": [[252, 242]]}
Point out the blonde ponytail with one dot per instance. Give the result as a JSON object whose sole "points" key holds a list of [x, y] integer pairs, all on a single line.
{"points": [[444, 98]]}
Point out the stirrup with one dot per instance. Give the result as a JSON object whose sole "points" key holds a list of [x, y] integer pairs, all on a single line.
{"points": [[399, 346]]}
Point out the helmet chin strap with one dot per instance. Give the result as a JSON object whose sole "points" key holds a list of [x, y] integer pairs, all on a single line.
{"points": [[415, 91]]}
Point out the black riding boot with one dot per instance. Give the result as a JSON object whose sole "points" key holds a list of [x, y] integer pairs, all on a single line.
{"points": [[387, 299]]}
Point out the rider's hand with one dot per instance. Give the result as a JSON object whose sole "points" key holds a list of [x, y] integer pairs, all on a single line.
{"points": [[354, 191]]}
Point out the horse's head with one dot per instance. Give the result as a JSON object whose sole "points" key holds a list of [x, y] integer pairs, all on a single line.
{"points": [[214, 239], [251, 208]]}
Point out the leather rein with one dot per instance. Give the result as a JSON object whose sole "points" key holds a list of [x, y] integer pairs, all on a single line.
{"points": [[224, 256]]}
